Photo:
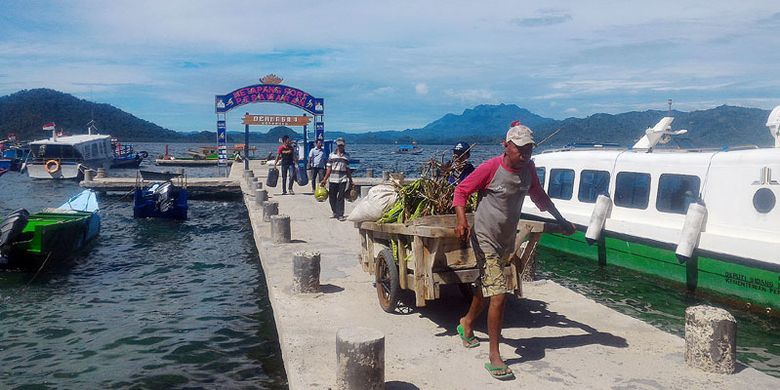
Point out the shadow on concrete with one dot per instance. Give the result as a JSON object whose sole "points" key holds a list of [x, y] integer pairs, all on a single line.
{"points": [[330, 289], [520, 313], [398, 385], [297, 241]]}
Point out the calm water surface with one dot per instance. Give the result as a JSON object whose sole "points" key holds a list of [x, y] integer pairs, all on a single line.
{"points": [[163, 304], [153, 304]]}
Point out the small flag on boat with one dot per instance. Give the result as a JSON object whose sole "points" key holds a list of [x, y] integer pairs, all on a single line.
{"points": [[48, 126]]}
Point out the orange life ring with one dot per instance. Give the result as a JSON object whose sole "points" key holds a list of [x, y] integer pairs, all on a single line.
{"points": [[52, 166]]}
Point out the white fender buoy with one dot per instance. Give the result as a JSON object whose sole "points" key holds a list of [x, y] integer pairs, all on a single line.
{"points": [[689, 237], [598, 218]]}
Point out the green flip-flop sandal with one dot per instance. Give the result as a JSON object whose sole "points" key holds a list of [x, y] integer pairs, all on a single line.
{"points": [[470, 342], [505, 372]]}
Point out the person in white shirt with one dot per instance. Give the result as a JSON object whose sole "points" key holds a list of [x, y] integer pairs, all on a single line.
{"points": [[316, 163], [338, 177]]}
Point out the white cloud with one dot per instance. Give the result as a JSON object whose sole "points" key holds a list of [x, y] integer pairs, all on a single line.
{"points": [[421, 88], [180, 53]]}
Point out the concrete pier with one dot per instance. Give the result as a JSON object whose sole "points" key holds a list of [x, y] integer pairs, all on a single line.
{"points": [[553, 338], [197, 186]]}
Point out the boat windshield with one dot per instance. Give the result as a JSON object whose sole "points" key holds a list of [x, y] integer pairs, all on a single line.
{"points": [[49, 151]]}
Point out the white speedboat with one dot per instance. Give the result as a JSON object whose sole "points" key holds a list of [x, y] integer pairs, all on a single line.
{"points": [[66, 157], [707, 219]]}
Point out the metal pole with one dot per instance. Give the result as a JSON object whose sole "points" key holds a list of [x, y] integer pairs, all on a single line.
{"points": [[246, 146]]}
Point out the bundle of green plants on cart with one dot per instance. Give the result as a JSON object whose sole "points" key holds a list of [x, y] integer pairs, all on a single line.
{"points": [[430, 194]]}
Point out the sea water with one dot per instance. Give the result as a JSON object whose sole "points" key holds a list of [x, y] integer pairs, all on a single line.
{"points": [[151, 303]]}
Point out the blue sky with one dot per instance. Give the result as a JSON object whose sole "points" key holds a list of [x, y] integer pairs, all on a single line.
{"points": [[395, 64]]}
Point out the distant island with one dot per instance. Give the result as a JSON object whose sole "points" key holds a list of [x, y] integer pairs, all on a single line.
{"points": [[25, 111]]}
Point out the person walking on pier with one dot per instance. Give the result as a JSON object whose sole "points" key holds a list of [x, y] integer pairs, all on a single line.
{"points": [[460, 164], [338, 177], [317, 163], [286, 153], [502, 183]]}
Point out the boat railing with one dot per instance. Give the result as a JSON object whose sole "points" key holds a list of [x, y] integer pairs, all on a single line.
{"points": [[34, 159]]}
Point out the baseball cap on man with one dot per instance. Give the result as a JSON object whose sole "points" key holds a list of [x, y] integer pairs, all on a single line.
{"points": [[340, 141], [520, 135], [460, 148]]}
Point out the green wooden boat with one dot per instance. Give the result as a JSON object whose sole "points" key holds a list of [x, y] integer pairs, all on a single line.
{"points": [[32, 241]]}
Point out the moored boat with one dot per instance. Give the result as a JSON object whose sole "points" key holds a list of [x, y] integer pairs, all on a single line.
{"points": [[125, 156], [156, 196], [706, 219], [66, 157], [31, 241]]}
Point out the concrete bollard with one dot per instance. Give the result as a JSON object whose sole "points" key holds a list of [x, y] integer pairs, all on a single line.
{"points": [[369, 172], [360, 359], [101, 173], [89, 175], [280, 229], [306, 272], [385, 175], [710, 339], [269, 209], [398, 176], [364, 191], [260, 197]]}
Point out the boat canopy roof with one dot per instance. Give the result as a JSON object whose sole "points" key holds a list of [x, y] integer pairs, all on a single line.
{"points": [[71, 140]]}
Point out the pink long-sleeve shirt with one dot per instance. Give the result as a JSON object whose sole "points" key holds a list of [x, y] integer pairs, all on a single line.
{"points": [[480, 179], [502, 191]]}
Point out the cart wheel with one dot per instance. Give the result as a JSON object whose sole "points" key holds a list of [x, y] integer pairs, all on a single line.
{"points": [[387, 287]]}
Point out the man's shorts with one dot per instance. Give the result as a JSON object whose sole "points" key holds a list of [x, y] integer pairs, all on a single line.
{"points": [[491, 280]]}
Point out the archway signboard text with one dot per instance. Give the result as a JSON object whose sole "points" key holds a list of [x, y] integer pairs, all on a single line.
{"points": [[269, 93], [270, 90]]}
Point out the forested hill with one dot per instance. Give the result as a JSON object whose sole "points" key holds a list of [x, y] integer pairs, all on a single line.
{"points": [[24, 113], [719, 126]]}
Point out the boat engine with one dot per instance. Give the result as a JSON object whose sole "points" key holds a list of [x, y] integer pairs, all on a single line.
{"points": [[165, 196], [10, 229]]}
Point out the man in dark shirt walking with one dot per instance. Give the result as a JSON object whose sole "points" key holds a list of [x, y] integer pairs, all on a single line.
{"points": [[286, 153]]}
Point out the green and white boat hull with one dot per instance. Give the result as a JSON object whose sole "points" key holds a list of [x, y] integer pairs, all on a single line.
{"points": [[743, 282]]}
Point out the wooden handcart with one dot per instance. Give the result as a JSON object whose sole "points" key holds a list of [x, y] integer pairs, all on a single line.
{"points": [[426, 254]]}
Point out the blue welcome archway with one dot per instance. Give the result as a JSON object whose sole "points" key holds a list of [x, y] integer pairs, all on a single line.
{"points": [[269, 91]]}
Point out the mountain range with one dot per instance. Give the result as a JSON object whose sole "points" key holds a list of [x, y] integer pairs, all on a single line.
{"points": [[25, 111]]}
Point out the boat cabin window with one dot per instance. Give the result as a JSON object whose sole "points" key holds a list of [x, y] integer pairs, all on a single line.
{"points": [[676, 192], [592, 184], [540, 174], [561, 183], [632, 190], [94, 150], [764, 200], [56, 152]]}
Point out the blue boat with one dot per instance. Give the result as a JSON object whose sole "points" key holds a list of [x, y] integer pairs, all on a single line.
{"points": [[13, 158], [409, 149], [125, 156], [162, 199]]}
